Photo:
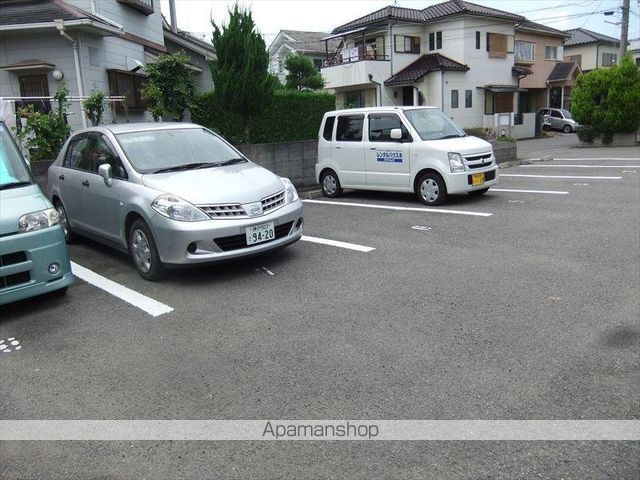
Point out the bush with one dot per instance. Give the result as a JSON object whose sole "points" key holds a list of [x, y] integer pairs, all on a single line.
{"points": [[44, 134], [94, 106], [292, 116], [607, 100]]}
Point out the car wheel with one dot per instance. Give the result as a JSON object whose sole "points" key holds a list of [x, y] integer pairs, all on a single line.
{"points": [[478, 193], [330, 184], [144, 253], [69, 236], [567, 129], [431, 189]]}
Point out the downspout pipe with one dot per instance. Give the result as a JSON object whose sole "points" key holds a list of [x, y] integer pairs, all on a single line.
{"points": [[378, 90], [76, 61]]}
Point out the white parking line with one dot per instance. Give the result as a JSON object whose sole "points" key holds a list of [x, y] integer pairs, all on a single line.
{"points": [[587, 159], [575, 166], [559, 176], [403, 209], [509, 190], [335, 243], [149, 305]]}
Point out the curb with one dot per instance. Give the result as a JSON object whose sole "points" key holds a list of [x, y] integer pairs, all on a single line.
{"points": [[525, 161]]}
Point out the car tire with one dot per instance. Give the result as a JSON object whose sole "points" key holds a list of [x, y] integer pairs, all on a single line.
{"points": [[69, 235], [478, 193], [567, 129], [431, 189], [143, 251], [330, 184]]}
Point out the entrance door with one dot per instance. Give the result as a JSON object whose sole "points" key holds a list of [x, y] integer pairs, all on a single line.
{"points": [[555, 95], [407, 96]]}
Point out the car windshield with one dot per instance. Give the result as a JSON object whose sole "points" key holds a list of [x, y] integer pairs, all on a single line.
{"points": [[567, 114], [13, 169], [157, 151], [432, 124]]}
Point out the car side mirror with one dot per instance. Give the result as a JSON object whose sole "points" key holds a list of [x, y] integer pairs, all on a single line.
{"points": [[104, 171], [395, 134]]}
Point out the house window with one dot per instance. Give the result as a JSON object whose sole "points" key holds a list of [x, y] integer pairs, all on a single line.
{"points": [[435, 41], [349, 128], [317, 62], [468, 95], [373, 48], [576, 58], [638, 61], [34, 86], [94, 57], [407, 44], [609, 59], [143, 6], [497, 45], [354, 99], [477, 40], [550, 52], [454, 98], [524, 51], [129, 85]]}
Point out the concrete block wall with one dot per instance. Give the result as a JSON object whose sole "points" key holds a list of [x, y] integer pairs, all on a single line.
{"points": [[505, 151], [294, 160]]}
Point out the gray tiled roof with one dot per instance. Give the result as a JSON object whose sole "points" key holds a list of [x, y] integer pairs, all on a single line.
{"points": [[561, 71], [386, 13], [310, 42], [580, 36], [538, 27], [456, 7], [423, 65], [19, 12], [434, 12]]}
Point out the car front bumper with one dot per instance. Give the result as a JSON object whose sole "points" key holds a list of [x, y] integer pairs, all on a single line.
{"points": [[220, 240], [26, 258], [461, 182]]}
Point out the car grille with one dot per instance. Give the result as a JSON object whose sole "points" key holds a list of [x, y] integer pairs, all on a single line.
{"points": [[236, 242], [16, 278], [478, 161], [236, 210], [488, 176], [272, 202], [224, 211]]}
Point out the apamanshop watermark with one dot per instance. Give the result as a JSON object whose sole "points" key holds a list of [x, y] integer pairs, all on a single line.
{"points": [[320, 431]]}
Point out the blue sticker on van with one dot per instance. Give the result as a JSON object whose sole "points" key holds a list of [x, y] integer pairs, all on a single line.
{"points": [[388, 156]]}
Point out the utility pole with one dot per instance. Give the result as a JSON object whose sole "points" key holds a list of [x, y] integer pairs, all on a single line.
{"points": [[624, 30]]}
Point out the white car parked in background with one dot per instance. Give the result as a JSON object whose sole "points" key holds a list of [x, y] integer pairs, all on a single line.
{"points": [[402, 149]]}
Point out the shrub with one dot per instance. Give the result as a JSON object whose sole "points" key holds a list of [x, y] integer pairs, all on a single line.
{"points": [[44, 134], [170, 87], [292, 116], [607, 100], [94, 106]]}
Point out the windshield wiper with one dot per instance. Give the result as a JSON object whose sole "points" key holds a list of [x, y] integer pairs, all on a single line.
{"points": [[451, 136], [186, 166], [7, 186], [231, 162]]}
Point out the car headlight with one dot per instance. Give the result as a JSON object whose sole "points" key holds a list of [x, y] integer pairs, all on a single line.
{"points": [[455, 163], [38, 220], [290, 192], [177, 209]]}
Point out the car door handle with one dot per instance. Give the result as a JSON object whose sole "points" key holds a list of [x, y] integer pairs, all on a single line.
{"points": [[338, 148], [61, 177], [85, 183], [372, 148]]}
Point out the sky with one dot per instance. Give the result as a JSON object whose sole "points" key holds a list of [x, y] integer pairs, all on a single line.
{"points": [[271, 16]]}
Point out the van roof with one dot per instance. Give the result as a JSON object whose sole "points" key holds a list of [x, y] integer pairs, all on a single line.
{"points": [[389, 108]]}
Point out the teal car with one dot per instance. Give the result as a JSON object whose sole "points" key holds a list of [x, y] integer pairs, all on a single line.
{"points": [[33, 254]]}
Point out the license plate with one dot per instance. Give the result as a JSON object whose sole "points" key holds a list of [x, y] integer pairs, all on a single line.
{"points": [[260, 233], [477, 179]]}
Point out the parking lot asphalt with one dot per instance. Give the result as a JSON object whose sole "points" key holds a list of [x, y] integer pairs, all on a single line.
{"points": [[523, 304]]}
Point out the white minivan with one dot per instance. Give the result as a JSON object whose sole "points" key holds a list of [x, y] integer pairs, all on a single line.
{"points": [[402, 149]]}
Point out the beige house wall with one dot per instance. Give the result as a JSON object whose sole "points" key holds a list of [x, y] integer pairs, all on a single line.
{"points": [[591, 54], [541, 68]]}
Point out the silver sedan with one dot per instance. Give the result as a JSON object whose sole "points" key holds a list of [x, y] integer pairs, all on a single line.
{"points": [[170, 194]]}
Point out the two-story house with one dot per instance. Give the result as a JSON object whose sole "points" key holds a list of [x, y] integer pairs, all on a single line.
{"points": [[455, 55], [547, 79], [591, 49], [87, 44], [294, 42]]}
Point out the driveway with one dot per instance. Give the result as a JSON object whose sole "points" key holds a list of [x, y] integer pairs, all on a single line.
{"points": [[522, 304]]}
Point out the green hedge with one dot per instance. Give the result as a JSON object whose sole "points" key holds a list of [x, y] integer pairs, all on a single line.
{"points": [[292, 116]]}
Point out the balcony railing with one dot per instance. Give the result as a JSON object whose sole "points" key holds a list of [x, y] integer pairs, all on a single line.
{"points": [[355, 54], [143, 6]]}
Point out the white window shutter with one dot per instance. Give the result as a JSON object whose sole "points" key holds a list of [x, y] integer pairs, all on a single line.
{"points": [[560, 53]]}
